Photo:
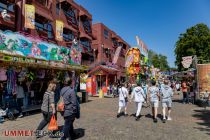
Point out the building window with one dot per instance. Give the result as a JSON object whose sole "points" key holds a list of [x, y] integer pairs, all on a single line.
{"points": [[68, 35], [9, 7], [86, 44], [115, 42], [87, 26], [106, 34], [44, 29], [71, 14]]}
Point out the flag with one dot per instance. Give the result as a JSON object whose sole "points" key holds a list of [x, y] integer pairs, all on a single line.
{"points": [[142, 46], [59, 30], [29, 16], [116, 55]]}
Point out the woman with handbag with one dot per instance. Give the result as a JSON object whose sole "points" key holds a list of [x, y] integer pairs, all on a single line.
{"points": [[47, 108], [123, 99]]}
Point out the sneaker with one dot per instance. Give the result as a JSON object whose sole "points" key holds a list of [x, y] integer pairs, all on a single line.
{"points": [[20, 116], [155, 120], [118, 115], [126, 115], [164, 120], [137, 118], [169, 119]]}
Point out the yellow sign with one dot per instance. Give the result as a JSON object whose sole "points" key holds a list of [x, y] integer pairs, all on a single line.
{"points": [[59, 30], [29, 16]]}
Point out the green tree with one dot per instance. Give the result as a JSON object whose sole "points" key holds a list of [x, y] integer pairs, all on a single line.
{"points": [[195, 41], [158, 60]]}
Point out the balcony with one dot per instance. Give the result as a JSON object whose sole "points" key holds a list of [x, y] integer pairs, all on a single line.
{"points": [[68, 14], [10, 22]]}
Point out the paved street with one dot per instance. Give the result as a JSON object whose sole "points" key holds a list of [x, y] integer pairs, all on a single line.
{"points": [[99, 122]]}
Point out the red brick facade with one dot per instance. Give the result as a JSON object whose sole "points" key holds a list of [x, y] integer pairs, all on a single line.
{"points": [[105, 44], [77, 22]]}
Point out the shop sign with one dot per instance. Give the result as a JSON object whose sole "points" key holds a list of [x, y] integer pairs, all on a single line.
{"points": [[59, 30], [83, 79], [187, 61], [29, 16]]}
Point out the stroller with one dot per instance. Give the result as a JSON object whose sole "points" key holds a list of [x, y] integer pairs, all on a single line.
{"points": [[10, 109]]}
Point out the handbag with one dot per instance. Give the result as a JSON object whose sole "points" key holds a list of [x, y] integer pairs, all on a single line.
{"points": [[53, 124], [126, 98], [60, 104]]}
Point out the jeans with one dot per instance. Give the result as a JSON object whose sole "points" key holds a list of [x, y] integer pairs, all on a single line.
{"points": [[185, 97], [46, 119], [19, 105], [68, 128]]}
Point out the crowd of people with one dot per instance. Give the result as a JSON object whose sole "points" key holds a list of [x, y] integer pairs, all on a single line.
{"points": [[143, 93]]}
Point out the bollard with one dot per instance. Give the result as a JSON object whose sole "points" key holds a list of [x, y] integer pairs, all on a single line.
{"points": [[101, 94]]}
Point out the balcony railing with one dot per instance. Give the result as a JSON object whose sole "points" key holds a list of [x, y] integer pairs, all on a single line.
{"points": [[10, 11]]}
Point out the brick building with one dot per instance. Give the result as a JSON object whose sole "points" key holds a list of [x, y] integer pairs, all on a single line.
{"points": [[105, 44], [77, 22]]}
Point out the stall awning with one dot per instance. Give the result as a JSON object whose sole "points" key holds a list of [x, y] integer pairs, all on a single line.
{"points": [[103, 70]]}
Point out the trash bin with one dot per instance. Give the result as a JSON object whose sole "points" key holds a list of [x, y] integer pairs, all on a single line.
{"points": [[84, 96]]}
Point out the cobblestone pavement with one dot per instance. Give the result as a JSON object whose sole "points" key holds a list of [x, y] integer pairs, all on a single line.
{"points": [[98, 122]]}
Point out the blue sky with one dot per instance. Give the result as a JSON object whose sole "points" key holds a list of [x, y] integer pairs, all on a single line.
{"points": [[157, 22]]}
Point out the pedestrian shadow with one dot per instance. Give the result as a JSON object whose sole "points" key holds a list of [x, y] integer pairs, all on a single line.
{"points": [[178, 101], [151, 117], [80, 132], [203, 115]]}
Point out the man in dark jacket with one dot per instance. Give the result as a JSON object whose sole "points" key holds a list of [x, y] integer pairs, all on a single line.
{"points": [[70, 109]]}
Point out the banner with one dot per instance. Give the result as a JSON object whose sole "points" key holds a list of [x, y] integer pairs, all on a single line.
{"points": [[16, 44], [59, 30], [116, 55], [142, 46], [29, 16], [187, 61]]}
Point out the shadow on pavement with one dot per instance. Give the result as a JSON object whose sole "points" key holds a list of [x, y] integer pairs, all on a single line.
{"points": [[204, 116], [79, 132], [178, 101]]}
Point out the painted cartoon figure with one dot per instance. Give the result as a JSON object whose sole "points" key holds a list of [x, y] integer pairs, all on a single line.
{"points": [[36, 51]]}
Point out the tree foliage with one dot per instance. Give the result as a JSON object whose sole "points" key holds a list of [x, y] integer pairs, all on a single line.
{"points": [[195, 41], [158, 61]]}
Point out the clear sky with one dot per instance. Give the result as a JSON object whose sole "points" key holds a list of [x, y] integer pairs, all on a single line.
{"points": [[157, 22]]}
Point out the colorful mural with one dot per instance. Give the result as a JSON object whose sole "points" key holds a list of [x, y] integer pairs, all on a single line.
{"points": [[17, 44]]}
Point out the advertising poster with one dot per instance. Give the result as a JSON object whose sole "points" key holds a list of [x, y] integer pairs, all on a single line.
{"points": [[29, 16], [59, 30]]}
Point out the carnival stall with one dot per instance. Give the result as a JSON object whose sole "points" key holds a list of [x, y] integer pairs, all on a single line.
{"points": [[34, 63]]}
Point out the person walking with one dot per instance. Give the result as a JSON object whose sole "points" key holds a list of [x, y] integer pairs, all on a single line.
{"points": [[47, 108], [123, 99], [20, 96], [153, 94], [139, 98], [70, 109], [166, 94], [185, 92]]}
